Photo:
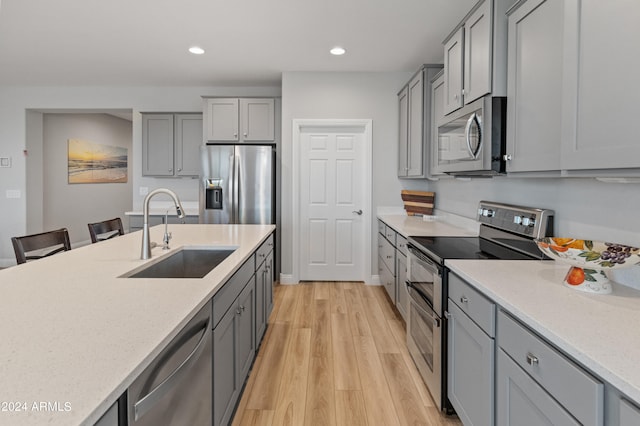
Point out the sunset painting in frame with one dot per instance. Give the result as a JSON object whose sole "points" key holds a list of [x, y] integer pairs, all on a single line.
{"points": [[90, 162]]}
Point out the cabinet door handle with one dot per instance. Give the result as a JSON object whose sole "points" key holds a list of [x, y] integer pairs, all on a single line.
{"points": [[464, 299], [507, 157], [532, 359], [245, 134], [170, 170], [235, 135], [238, 311]]}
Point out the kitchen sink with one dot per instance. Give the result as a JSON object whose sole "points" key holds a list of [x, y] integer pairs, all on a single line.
{"points": [[188, 262]]}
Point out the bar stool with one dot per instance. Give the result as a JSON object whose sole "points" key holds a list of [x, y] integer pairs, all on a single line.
{"points": [[57, 241], [105, 230]]}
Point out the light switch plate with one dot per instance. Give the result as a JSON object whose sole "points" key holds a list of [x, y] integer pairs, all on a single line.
{"points": [[5, 161]]}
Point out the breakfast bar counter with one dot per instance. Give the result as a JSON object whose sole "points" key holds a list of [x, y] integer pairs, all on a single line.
{"points": [[75, 334]]}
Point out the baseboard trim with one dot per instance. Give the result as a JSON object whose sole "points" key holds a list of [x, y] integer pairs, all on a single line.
{"points": [[287, 279], [373, 280]]}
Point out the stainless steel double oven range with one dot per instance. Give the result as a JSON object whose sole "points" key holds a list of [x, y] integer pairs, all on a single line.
{"points": [[506, 232]]}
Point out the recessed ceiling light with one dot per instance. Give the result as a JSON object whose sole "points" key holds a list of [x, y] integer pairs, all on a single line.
{"points": [[338, 51], [196, 50]]}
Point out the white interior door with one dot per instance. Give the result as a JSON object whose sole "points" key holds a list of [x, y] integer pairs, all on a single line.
{"points": [[332, 203]]}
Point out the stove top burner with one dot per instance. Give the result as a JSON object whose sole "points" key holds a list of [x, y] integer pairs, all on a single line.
{"points": [[441, 248]]}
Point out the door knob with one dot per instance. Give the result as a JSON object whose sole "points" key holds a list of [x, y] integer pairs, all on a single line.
{"points": [[358, 212]]}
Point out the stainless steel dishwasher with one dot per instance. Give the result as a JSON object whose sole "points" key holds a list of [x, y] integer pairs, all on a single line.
{"points": [[176, 389]]}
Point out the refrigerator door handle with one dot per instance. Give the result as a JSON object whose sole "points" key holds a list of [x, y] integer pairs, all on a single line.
{"points": [[236, 187]]}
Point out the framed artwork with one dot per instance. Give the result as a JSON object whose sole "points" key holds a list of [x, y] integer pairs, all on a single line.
{"points": [[90, 162]]}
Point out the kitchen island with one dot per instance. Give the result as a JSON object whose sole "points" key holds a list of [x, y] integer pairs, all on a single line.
{"points": [[75, 335]]}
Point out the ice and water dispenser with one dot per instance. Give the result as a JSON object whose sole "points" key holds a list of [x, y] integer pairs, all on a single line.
{"points": [[213, 191]]}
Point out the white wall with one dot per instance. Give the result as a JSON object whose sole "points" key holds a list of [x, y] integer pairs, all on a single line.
{"points": [[72, 206], [16, 101], [311, 95]]}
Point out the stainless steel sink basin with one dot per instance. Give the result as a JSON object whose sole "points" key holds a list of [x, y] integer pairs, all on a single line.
{"points": [[185, 263]]}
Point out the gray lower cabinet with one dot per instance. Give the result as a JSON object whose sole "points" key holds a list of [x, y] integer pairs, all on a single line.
{"points": [[470, 368], [569, 386], [264, 287], [110, 418], [522, 402], [386, 266], [233, 350], [629, 414]]}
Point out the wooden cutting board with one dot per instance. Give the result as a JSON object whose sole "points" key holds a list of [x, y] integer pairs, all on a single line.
{"points": [[418, 202]]}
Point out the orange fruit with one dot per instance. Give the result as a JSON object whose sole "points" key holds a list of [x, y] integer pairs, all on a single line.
{"points": [[575, 276], [562, 241], [576, 244], [560, 249]]}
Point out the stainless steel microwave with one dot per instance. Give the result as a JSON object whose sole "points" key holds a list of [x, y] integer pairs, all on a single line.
{"points": [[472, 140]]}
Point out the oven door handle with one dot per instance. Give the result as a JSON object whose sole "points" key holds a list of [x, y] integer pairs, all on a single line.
{"points": [[421, 257], [434, 317]]}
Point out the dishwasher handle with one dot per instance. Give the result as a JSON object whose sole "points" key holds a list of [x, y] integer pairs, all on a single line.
{"points": [[147, 402]]}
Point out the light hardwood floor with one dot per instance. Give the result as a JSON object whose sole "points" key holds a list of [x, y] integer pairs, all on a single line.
{"points": [[335, 354]]}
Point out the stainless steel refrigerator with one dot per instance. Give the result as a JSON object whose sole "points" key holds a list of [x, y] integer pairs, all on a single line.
{"points": [[237, 184]]}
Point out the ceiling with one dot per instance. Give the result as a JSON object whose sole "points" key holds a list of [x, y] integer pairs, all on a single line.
{"points": [[247, 42]]}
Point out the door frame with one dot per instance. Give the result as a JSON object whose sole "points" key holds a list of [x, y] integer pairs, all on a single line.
{"points": [[298, 126]]}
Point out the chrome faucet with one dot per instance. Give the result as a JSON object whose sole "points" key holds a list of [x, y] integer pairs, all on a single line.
{"points": [[146, 240]]}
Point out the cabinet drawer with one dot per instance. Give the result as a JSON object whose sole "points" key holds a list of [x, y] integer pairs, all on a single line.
{"points": [[387, 279], [382, 228], [390, 235], [401, 244], [629, 413], [224, 298], [264, 250], [479, 308], [387, 253], [579, 392]]}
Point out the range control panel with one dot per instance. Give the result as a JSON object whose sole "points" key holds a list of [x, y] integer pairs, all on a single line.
{"points": [[527, 221]]}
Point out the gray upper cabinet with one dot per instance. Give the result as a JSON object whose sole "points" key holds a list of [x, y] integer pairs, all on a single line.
{"points": [[403, 136], [629, 413], [416, 126], [223, 120], [477, 53], [534, 86], [170, 144], [454, 71], [157, 145], [257, 118], [188, 138], [437, 117], [600, 80], [414, 104], [238, 120]]}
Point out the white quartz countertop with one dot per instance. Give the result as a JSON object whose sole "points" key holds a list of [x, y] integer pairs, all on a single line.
{"points": [[75, 334], [409, 226], [599, 331]]}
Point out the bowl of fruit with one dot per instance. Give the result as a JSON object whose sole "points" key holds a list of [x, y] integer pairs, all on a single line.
{"points": [[589, 260]]}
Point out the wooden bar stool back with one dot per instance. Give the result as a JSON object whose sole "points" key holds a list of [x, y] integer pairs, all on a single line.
{"points": [[44, 244], [105, 230]]}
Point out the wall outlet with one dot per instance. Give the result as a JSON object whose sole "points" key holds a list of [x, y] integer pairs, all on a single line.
{"points": [[13, 193], [5, 161], [144, 190]]}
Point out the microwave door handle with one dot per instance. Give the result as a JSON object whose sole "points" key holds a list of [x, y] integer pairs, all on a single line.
{"points": [[474, 119]]}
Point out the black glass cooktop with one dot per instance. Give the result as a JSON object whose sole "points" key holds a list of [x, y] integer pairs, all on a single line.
{"points": [[441, 248]]}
